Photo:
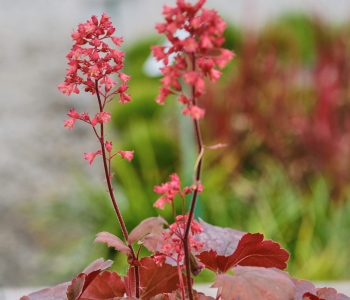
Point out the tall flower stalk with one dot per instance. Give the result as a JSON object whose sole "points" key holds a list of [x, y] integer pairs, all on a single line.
{"points": [[197, 56], [91, 67]]}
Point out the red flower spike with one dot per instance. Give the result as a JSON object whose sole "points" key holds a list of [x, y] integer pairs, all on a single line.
{"points": [[90, 61], [205, 29], [91, 156]]}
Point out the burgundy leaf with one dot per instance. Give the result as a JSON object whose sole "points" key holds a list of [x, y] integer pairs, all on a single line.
{"points": [[209, 259], [113, 241], [251, 251], [304, 290], [98, 265], [150, 225], [71, 289], [84, 279], [76, 287], [152, 242], [302, 287], [331, 294], [177, 295], [106, 285], [255, 283], [309, 296], [222, 240], [124, 298], [154, 279], [56, 293]]}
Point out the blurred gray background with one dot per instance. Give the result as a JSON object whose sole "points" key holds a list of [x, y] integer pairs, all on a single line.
{"points": [[39, 158]]}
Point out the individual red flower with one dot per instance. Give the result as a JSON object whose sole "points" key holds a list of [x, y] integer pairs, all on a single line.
{"points": [[69, 123], [194, 111], [90, 156], [103, 117], [129, 155], [73, 114], [108, 146]]}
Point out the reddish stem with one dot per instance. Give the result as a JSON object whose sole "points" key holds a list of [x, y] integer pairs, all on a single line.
{"points": [[195, 193], [111, 194]]}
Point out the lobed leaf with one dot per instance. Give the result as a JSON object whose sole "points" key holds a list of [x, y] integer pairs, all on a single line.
{"points": [[177, 295], [85, 278], [305, 290], [251, 251], [151, 225], [154, 279], [72, 290], [222, 240], [106, 285], [255, 283], [113, 241], [152, 242], [331, 294], [56, 293]]}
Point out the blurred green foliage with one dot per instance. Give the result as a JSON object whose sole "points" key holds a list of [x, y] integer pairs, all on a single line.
{"points": [[259, 197]]}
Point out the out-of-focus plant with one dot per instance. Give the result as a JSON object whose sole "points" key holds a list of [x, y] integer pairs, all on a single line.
{"points": [[296, 112]]}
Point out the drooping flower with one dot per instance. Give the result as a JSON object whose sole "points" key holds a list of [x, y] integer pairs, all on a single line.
{"points": [[108, 146], [69, 123], [194, 111], [73, 114], [90, 156], [129, 155]]}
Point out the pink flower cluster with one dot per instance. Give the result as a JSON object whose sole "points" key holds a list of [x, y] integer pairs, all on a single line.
{"points": [[102, 117], [170, 189], [197, 55], [95, 62], [129, 155], [173, 246]]}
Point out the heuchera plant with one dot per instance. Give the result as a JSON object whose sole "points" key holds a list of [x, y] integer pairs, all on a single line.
{"points": [[186, 246]]}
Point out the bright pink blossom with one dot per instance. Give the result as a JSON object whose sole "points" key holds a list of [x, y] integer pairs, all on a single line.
{"points": [[117, 41], [108, 146], [109, 83], [69, 123], [73, 114], [103, 117], [94, 62], [90, 156], [123, 77], [194, 111], [204, 28], [129, 155]]}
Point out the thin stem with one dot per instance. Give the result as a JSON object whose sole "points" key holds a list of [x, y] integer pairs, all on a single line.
{"points": [[111, 194], [182, 287], [195, 193]]}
